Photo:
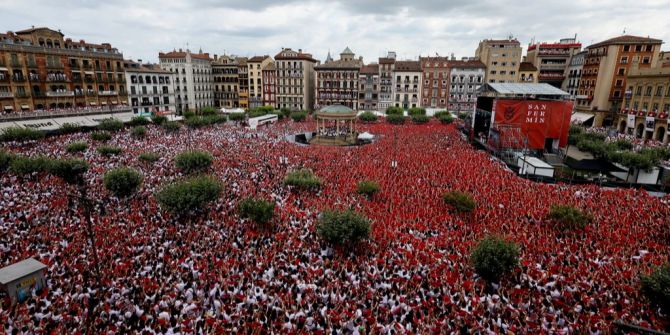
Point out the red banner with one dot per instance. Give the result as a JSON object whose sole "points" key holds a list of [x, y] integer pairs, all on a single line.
{"points": [[537, 119]]}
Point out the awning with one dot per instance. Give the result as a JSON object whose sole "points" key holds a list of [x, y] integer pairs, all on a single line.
{"points": [[93, 103], [104, 103], [580, 117], [44, 124], [5, 125], [25, 107], [78, 120], [89, 72], [365, 136], [115, 102], [3, 69], [8, 108]]}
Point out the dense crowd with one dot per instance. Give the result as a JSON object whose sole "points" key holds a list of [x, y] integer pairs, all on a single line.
{"points": [[215, 273], [638, 143]]}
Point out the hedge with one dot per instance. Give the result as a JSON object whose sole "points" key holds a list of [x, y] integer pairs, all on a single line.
{"points": [[656, 287], [257, 210], [420, 118], [171, 126], [110, 125], [493, 257], [367, 117], [302, 179], [343, 227], [416, 111], [108, 150], [5, 160], [299, 116], [123, 181], [69, 128], [77, 147], [193, 161], [19, 134], [138, 121], [462, 202], [367, 187], [446, 119], [395, 119], [394, 111], [101, 136], [20, 165], [149, 157], [158, 119], [189, 195], [68, 169], [568, 218], [237, 117]]}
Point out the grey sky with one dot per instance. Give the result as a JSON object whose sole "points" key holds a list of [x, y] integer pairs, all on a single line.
{"points": [[142, 28]]}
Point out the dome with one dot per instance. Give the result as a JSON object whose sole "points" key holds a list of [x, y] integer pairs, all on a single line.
{"points": [[336, 109]]}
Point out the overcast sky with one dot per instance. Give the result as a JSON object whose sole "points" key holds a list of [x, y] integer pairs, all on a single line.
{"points": [[142, 28]]}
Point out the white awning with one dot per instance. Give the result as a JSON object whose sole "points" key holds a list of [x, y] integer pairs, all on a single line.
{"points": [[93, 103], [44, 124], [3, 69], [25, 107], [8, 108], [89, 72], [5, 125], [104, 103], [365, 136], [579, 117], [78, 120]]}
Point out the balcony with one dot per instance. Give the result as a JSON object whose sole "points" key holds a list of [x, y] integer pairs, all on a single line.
{"points": [[15, 64], [91, 93], [88, 67], [57, 78], [58, 94], [107, 93], [32, 65], [56, 65], [4, 95], [21, 95], [18, 79], [549, 67], [551, 76]]}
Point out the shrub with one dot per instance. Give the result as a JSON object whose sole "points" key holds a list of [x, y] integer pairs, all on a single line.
{"points": [[623, 145], [367, 117], [214, 119], [420, 119], [302, 179], [171, 126], [446, 119], [394, 111], [207, 111], [149, 157], [69, 128], [108, 150], [193, 161], [196, 122], [69, 170], [298, 116], [110, 124], [189, 195], [188, 115], [343, 227], [285, 111], [493, 257], [138, 121], [368, 187], [280, 116], [656, 287], [395, 119], [22, 166], [122, 182], [257, 112], [158, 119], [462, 115], [19, 134], [438, 114], [461, 201], [101, 136], [77, 147], [5, 160], [257, 210], [139, 131], [237, 117], [568, 217], [416, 111]]}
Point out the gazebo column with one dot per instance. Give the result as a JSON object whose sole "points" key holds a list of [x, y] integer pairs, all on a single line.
{"points": [[337, 127]]}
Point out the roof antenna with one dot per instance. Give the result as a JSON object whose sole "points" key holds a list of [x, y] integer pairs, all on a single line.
{"points": [[624, 30]]}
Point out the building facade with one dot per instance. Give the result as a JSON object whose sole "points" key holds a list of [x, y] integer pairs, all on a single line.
{"points": [[502, 58], [435, 88], [193, 78], [40, 69], [269, 78], [647, 102], [528, 73], [408, 79], [386, 84], [606, 65], [255, 67], [466, 78], [337, 81], [295, 79], [242, 83], [226, 82], [150, 88], [552, 59], [573, 74], [368, 96]]}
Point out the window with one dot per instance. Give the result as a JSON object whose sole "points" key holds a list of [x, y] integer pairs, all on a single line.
{"points": [[659, 91], [649, 48], [619, 83], [622, 71], [624, 60], [638, 48], [648, 91], [626, 48], [645, 60]]}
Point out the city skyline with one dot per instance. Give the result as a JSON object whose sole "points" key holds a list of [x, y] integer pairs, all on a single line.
{"points": [[141, 30]]}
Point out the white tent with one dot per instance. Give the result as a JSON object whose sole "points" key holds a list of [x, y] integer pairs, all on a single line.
{"points": [[232, 110], [365, 136]]}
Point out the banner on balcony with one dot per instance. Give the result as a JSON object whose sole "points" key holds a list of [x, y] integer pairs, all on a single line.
{"points": [[538, 120], [649, 123], [630, 122]]}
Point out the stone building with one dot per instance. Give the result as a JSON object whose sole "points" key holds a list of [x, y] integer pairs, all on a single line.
{"points": [[150, 88], [295, 79], [269, 78], [337, 81], [551, 59], [368, 96], [435, 88], [407, 78], [226, 82], [255, 67], [466, 78], [501, 58], [193, 78], [386, 84]]}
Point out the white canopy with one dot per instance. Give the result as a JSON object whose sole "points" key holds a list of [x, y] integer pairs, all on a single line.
{"points": [[365, 136], [579, 117], [232, 110]]}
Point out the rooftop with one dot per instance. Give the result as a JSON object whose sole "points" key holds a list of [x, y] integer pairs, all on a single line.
{"points": [[542, 89], [625, 39], [289, 54], [257, 59], [21, 269], [336, 109], [370, 69], [182, 54], [527, 66], [408, 66]]}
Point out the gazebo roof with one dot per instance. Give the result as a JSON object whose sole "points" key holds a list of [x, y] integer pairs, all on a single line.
{"points": [[336, 112]]}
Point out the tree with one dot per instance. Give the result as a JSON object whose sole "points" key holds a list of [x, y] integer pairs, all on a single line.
{"points": [[367, 117], [158, 119], [568, 218], [299, 116], [111, 125], [343, 227], [138, 121], [206, 111], [139, 131], [285, 111], [188, 115], [368, 188], [193, 161], [257, 210], [69, 128], [440, 113], [22, 166], [67, 169], [171, 126], [394, 111], [237, 117], [395, 119], [189, 195], [149, 157], [123, 181], [77, 147], [420, 118], [462, 202], [416, 111], [107, 150], [259, 111], [19, 134], [446, 119], [493, 257], [302, 180], [101, 136], [5, 160], [656, 287]]}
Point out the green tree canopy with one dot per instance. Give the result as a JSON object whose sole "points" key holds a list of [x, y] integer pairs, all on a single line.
{"points": [[493, 257]]}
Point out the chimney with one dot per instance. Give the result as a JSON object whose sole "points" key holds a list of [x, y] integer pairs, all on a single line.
{"points": [[180, 50], [139, 61], [300, 50], [216, 57]]}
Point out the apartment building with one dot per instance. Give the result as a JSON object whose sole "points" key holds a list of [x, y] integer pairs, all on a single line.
{"points": [[337, 81], [435, 86], [255, 67], [407, 91], [193, 78], [502, 59], [295, 79], [269, 77], [466, 78], [368, 96], [226, 82], [386, 84], [551, 59], [150, 88]]}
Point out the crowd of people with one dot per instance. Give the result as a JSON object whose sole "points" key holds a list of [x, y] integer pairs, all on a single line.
{"points": [[216, 273]]}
